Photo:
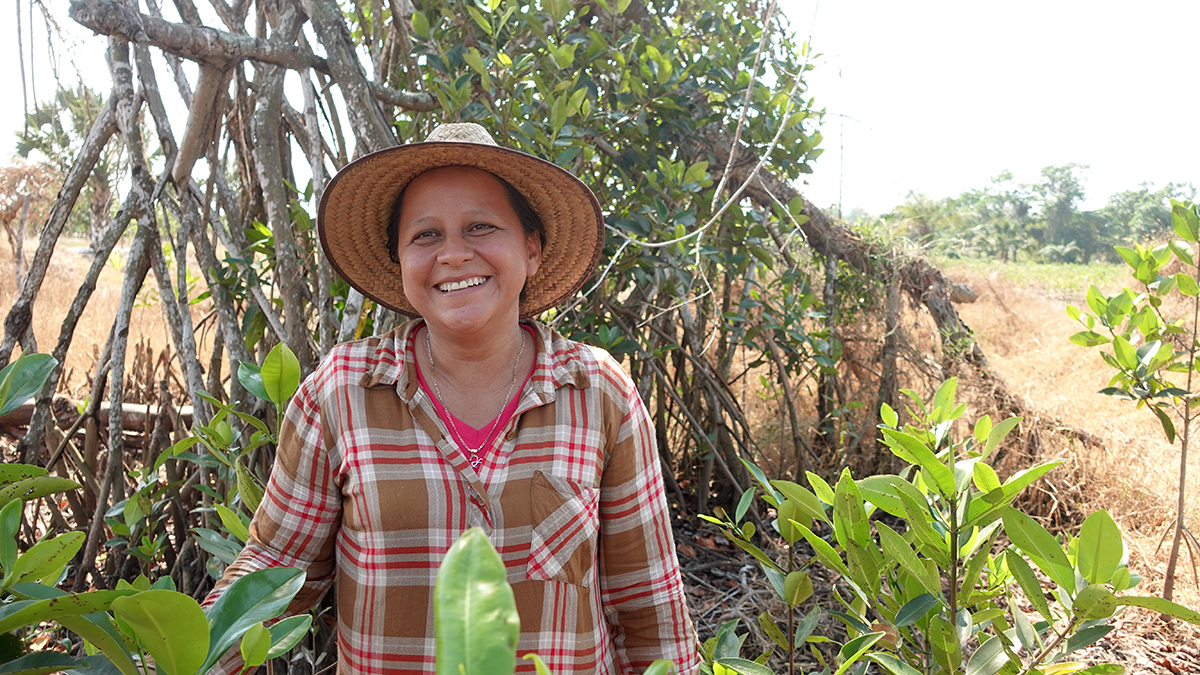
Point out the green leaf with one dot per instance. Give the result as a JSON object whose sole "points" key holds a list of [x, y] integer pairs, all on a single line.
{"points": [[256, 644], [1184, 221], [917, 452], [46, 556], [1100, 548], [1026, 534], [914, 610], [943, 640], [888, 416], [171, 626], [1162, 606], [623, 5], [10, 473], [248, 487], [897, 549], [233, 523], [882, 490], [743, 505], [988, 659], [805, 502], [797, 587], [10, 524], [480, 20], [1028, 582], [1026, 635], [287, 633], [475, 60], [1102, 669], [258, 596], [849, 516], [1095, 602], [1084, 638], [420, 25], [824, 551], [985, 478], [744, 666], [475, 614], [33, 488], [820, 488], [854, 650], [1187, 284], [22, 378], [250, 375], [998, 433], [40, 663], [1088, 338], [893, 665], [807, 626], [97, 628], [31, 612], [1164, 419], [281, 374]]}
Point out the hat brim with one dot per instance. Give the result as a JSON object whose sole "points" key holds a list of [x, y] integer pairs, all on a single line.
{"points": [[353, 216]]}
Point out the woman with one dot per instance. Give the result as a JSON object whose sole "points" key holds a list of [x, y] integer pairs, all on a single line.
{"points": [[469, 416]]}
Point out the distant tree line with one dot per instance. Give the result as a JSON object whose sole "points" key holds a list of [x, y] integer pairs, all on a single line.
{"points": [[1041, 221]]}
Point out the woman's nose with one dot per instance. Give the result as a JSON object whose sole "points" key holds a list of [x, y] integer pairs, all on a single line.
{"points": [[455, 249]]}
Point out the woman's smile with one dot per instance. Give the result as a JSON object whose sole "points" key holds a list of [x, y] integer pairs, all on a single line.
{"points": [[464, 255]]}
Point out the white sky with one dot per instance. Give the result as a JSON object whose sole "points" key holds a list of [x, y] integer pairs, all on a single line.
{"points": [[939, 95], [933, 96]]}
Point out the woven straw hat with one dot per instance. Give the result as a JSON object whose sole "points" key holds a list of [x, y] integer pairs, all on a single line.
{"points": [[353, 216]]}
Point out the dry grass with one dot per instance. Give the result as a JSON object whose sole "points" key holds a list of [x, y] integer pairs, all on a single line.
{"points": [[68, 266], [1024, 330]]}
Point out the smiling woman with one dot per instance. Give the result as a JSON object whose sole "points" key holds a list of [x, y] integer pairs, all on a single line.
{"points": [[472, 415]]}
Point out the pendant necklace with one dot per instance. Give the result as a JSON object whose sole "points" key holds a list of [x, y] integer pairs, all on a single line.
{"points": [[476, 460]]}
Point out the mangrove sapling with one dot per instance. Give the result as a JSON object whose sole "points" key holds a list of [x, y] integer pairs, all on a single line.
{"points": [[937, 595], [1147, 344]]}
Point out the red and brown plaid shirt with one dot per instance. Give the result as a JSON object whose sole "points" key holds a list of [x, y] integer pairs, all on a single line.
{"points": [[369, 489]]}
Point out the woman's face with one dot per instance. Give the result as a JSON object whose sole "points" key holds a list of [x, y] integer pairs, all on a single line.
{"points": [[463, 254]]}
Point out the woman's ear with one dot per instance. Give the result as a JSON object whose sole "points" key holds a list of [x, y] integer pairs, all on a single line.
{"points": [[533, 249]]}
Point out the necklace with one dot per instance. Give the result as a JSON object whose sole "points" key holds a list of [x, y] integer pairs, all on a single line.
{"points": [[476, 460]]}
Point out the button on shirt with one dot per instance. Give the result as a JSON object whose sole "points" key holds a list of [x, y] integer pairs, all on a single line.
{"points": [[369, 488]]}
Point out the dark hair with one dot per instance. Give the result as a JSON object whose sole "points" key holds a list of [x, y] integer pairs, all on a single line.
{"points": [[531, 222]]}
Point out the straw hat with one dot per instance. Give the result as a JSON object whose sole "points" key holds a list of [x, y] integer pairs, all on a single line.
{"points": [[353, 216]]}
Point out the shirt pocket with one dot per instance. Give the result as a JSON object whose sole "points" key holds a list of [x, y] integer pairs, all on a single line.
{"points": [[565, 523]]}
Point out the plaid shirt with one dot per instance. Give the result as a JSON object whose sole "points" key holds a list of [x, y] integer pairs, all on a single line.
{"points": [[369, 488]]}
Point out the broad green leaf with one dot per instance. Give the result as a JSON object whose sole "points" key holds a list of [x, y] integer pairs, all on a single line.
{"points": [[882, 491], [849, 516], [1162, 606], [1183, 251], [420, 24], [985, 478], [1103, 669], [10, 524], [918, 453], [1164, 419], [474, 612], [998, 433], [744, 666], [1028, 582], [1028, 535], [1184, 221], [1088, 338], [897, 549], [31, 612], [40, 663], [824, 551], [1095, 602], [248, 487], [820, 487], [97, 628], [888, 415], [806, 626], [480, 21], [768, 626], [854, 650], [22, 378], [1083, 638], [772, 496], [256, 644], [281, 374], [233, 523], [914, 610], [287, 633], [988, 659], [250, 376], [943, 640], [46, 556], [806, 502], [258, 596], [171, 626], [864, 570], [1124, 352], [1096, 301], [893, 665], [33, 488], [797, 587], [1026, 635], [1187, 284], [10, 473], [1100, 548], [743, 505]]}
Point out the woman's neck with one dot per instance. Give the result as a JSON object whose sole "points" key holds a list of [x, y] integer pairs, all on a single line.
{"points": [[463, 365]]}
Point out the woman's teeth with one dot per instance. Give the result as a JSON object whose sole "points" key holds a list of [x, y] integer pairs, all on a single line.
{"points": [[459, 285]]}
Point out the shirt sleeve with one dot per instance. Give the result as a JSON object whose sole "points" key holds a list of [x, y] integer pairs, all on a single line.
{"points": [[640, 585], [296, 524]]}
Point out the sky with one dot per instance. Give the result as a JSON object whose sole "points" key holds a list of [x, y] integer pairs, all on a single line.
{"points": [[940, 96], [926, 96]]}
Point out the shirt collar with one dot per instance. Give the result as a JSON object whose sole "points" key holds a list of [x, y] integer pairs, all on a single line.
{"points": [[559, 362]]}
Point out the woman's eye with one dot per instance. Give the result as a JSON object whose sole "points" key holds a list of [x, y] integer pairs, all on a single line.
{"points": [[482, 227], [425, 235]]}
